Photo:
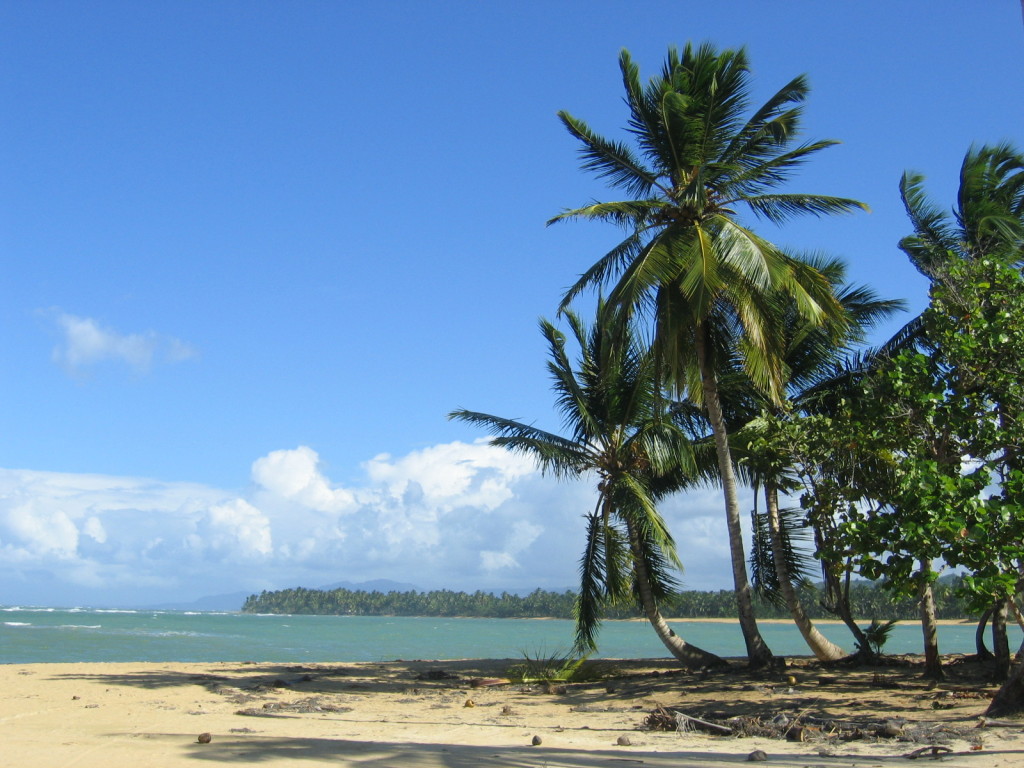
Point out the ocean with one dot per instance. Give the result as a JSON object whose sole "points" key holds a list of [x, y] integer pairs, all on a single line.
{"points": [[30, 635]]}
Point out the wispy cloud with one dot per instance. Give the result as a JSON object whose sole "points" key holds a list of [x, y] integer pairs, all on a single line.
{"points": [[85, 343]]}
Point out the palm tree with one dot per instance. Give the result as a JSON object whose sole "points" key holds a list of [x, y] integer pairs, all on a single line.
{"points": [[812, 355], [706, 278], [987, 222], [615, 434]]}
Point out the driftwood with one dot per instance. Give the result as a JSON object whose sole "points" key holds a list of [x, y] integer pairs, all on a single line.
{"points": [[933, 751], [991, 722], [686, 722]]}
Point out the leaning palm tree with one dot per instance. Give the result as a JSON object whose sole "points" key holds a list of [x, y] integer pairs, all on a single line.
{"points": [[812, 355], [616, 435], [704, 276]]}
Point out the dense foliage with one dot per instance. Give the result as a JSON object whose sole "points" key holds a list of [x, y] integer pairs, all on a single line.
{"points": [[869, 602]]}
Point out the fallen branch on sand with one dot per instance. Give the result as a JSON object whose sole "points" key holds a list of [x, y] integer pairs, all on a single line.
{"points": [[989, 722], [933, 751]]}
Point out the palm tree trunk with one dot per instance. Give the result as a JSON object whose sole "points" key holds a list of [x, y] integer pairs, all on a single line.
{"points": [[758, 652], [837, 592], [688, 655], [823, 648]]}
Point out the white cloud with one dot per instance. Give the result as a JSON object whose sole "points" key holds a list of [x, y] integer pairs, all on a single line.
{"points": [[295, 475], [84, 343], [239, 527], [94, 528], [41, 530], [458, 515]]}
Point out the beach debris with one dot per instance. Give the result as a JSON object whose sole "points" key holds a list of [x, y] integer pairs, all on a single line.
{"points": [[536, 741], [488, 682], [891, 729], [436, 674], [469, 703], [311, 705], [685, 722], [507, 710], [623, 741], [661, 720], [932, 750], [204, 738], [885, 681], [757, 756], [988, 722]]}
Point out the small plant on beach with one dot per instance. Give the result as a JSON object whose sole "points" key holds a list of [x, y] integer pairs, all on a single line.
{"points": [[877, 633], [548, 668]]}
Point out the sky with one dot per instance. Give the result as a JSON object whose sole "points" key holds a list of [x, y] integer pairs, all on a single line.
{"points": [[252, 253]]}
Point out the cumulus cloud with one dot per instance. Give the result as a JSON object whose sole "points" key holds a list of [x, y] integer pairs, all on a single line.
{"points": [[85, 343], [458, 515], [295, 475]]}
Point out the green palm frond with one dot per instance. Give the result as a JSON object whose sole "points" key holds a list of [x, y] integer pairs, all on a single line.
{"points": [[590, 602], [610, 160], [780, 208], [659, 566], [555, 454], [799, 563]]}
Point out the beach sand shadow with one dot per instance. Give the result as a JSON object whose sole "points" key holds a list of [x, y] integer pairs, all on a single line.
{"points": [[365, 754]]}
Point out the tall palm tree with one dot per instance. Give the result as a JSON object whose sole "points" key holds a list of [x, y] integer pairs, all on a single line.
{"points": [[615, 434], [706, 278]]}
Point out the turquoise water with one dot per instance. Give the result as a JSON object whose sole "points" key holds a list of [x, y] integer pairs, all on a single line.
{"points": [[30, 635]]}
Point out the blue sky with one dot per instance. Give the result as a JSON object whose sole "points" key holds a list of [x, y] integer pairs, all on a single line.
{"points": [[253, 253]]}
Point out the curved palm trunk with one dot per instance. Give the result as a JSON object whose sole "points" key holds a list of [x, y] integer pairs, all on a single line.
{"points": [[688, 655], [758, 652], [823, 648]]}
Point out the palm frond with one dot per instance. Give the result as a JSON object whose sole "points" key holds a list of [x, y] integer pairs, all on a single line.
{"points": [[780, 208], [610, 160]]}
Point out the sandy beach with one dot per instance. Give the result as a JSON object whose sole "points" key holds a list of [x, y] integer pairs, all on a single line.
{"points": [[427, 714]]}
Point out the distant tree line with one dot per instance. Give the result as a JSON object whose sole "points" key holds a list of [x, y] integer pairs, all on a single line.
{"points": [[867, 600]]}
